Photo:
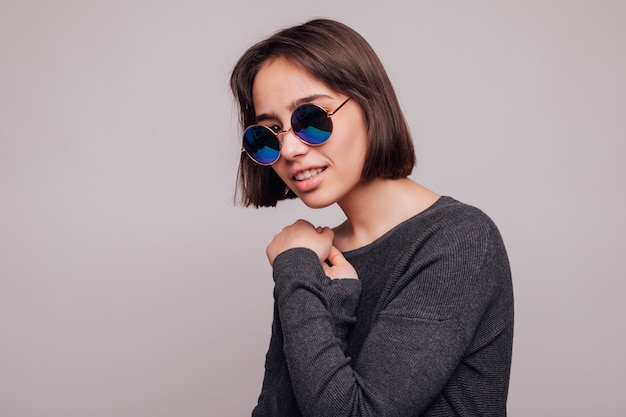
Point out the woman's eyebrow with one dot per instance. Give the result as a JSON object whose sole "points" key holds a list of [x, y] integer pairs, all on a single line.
{"points": [[308, 99], [266, 116], [296, 103]]}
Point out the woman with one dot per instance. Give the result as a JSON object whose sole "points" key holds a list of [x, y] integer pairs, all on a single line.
{"points": [[404, 309]]}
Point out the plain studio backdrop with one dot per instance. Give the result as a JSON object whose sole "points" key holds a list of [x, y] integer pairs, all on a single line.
{"points": [[131, 285]]}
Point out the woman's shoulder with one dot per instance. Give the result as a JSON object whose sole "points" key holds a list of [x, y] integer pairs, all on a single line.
{"points": [[450, 211], [453, 222]]}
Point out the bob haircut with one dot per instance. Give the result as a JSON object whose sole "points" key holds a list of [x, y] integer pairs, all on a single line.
{"points": [[343, 60]]}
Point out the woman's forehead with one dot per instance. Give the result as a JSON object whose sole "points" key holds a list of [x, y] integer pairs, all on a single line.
{"points": [[281, 85]]}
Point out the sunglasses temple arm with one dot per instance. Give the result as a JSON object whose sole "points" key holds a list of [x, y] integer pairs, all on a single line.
{"points": [[340, 106]]}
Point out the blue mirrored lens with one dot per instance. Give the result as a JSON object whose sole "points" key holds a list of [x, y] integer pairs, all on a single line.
{"points": [[312, 124], [313, 136], [261, 144]]}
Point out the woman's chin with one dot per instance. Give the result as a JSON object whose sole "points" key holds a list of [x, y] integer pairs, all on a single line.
{"points": [[315, 203]]}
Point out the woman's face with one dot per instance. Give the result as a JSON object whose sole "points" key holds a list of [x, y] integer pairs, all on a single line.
{"points": [[319, 175]]}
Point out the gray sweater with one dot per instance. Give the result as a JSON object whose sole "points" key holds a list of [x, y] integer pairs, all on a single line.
{"points": [[426, 330]]}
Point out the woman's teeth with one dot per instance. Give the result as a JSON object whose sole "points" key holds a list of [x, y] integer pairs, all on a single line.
{"points": [[304, 175]]}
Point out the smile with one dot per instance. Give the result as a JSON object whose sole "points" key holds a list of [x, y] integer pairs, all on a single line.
{"points": [[309, 173]]}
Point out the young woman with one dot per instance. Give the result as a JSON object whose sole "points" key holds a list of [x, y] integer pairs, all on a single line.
{"points": [[404, 309]]}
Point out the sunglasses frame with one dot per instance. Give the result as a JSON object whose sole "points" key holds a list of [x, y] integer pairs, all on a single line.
{"points": [[328, 115]]}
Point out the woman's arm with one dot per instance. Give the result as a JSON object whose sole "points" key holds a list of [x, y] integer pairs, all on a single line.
{"points": [[277, 398]]}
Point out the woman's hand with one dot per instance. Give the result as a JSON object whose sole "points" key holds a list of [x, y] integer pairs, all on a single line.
{"points": [[339, 267], [303, 234]]}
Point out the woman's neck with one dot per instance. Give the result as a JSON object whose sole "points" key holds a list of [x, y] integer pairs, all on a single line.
{"points": [[377, 206]]}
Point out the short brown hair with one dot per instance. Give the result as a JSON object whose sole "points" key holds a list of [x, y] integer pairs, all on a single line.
{"points": [[343, 60]]}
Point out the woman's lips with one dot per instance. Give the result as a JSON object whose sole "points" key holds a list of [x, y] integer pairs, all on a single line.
{"points": [[309, 179]]}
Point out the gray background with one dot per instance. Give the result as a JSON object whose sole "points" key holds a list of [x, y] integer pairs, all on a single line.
{"points": [[130, 284]]}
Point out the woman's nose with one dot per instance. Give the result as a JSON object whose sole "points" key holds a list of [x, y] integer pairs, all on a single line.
{"points": [[291, 146]]}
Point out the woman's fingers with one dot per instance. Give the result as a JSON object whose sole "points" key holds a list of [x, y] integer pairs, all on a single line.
{"points": [[339, 266], [301, 234]]}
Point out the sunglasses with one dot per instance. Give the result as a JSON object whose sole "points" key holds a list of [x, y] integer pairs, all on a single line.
{"points": [[310, 123]]}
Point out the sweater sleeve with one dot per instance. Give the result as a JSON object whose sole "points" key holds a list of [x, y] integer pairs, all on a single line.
{"points": [[337, 301], [330, 302], [417, 341]]}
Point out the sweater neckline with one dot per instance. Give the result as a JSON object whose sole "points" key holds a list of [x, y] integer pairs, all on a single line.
{"points": [[442, 200]]}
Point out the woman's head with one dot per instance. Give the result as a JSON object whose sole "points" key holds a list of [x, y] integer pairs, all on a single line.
{"points": [[343, 61]]}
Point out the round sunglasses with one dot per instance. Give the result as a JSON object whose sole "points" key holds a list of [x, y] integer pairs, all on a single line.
{"points": [[310, 123]]}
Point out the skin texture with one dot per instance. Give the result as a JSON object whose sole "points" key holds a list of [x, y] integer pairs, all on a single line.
{"points": [[372, 207]]}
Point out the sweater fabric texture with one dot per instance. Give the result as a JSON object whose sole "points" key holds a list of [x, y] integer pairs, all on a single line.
{"points": [[426, 330]]}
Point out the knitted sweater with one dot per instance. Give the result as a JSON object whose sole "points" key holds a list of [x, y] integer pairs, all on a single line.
{"points": [[426, 330]]}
